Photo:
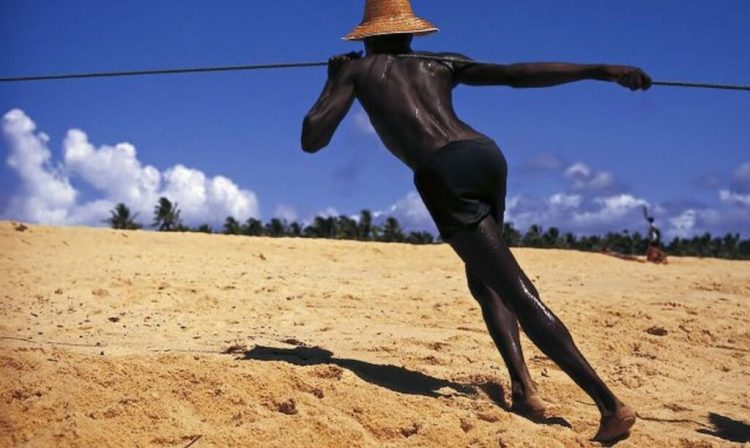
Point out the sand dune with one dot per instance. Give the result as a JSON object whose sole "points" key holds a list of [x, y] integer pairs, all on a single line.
{"points": [[133, 338]]}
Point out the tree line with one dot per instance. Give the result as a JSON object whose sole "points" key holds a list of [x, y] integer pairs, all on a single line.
{"points": [[729, 246], [166, 218]]}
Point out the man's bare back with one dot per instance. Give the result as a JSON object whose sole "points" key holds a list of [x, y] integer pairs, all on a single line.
{"points": [[409, 102]]}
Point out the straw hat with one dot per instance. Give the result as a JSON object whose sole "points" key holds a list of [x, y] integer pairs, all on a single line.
{"points": [[390, 17]]}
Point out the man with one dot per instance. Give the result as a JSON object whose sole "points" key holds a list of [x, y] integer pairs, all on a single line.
{"points": [[461, 177], [654, 253]]}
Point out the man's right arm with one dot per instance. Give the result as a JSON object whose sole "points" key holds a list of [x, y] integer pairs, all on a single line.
{"points": [[334, 102], [547, 74]]}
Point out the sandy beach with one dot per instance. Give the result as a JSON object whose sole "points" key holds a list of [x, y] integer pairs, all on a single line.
{"points": [[137, 339]]}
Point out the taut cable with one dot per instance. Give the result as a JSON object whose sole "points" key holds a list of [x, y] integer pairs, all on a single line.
{"points": [[279, 65], [165, 71]]}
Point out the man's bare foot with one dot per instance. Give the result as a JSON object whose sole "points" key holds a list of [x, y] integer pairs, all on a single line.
{"points": [[615, 426], [530, 406]]}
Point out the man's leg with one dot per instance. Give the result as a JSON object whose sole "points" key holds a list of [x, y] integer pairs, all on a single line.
{"points": [[503, 327], [489, 258]]}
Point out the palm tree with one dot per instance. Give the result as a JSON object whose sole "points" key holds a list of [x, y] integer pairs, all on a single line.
{"points": [[376, 233], [551, 238], [392, 232], [167, 216], [364, 228], [324, 227], [309, 232], [420, 238], [275, 228], [571, 241], [511, 235], [204, 228], [232, 226], [533, 237], [743, 250], [121, 219], [294, 229], [253, 227], [346, 228]]}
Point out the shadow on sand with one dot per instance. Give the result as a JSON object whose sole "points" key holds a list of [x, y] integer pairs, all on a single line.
{"points": [[397, 379], [727, 428]]}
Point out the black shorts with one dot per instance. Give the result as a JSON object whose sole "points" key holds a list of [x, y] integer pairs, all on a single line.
{"points": [[462, 183]]}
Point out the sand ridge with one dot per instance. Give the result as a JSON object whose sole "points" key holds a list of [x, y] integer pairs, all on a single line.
{"points": [[135, 338]]}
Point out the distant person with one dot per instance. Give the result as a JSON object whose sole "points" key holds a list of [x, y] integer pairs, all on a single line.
{"points": [[654, 252], [461, 177]]}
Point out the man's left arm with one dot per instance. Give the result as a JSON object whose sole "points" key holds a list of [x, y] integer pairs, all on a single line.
{"points": [[547, 74], [332, 105]]}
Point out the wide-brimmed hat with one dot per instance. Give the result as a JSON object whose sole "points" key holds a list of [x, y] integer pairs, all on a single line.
{"points": [[384, 17]]}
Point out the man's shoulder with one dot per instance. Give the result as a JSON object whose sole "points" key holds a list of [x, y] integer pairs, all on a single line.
{"points": [[443, 54], [453, 60]]}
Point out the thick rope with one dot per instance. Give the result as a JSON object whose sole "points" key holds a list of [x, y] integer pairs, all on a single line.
{"points": [[232, 68], [701, 85], [165, 71]]}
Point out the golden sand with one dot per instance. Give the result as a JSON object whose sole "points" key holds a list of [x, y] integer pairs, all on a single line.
{"points": [[134, 338]]}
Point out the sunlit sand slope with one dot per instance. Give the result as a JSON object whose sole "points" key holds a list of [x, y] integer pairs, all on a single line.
{"points": [[134, 338]]}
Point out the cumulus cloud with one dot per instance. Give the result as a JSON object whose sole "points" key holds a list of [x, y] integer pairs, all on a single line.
{"points": [[683, 225], [598, 215], [328, 212], [718, 221], [578, 177], [731, 198], [582, 178], [740, 181], [285, 213], [113, 170], [411, 213], [47, 191], [610, 210], [565, 201], [115, 174], [576, 213]]}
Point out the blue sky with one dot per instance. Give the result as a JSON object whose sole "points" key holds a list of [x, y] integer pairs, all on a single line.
{"points": [[583, 157]]}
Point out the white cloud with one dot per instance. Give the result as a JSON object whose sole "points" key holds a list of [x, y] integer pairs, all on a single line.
{"points": [[697, 221], [582, 178], [732, 198], [683, 225], [115, 174], [328, 212], [285, 212], [47, 192], [610, 210], [410, 212], [564, 201], [411, 208], [113, 170], [577, 170], [212, 199], [576, 213], [741, 179]]}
